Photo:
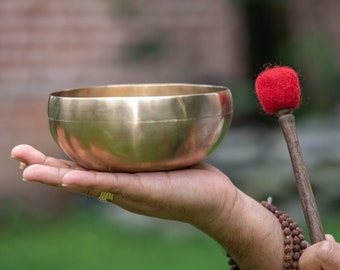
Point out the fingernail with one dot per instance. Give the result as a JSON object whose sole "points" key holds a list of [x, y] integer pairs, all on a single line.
{"points": [[18, 159], [330, 237], [64, 185], [22, 166], [24, 179]]}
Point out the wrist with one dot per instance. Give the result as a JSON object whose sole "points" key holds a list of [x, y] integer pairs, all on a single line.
{"points": [[250, 233]]}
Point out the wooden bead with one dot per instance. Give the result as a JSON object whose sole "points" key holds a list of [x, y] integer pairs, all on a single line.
{"points": [[286, 265], [303, 245], [295, 265], [288, 240], [283, 218], [294, 241], [278, 213], [284, 224], [302, 238], [286, 231], [293, 225], [287, 257], [296, 248], [296, 256], [295, 233], [287, 249]]}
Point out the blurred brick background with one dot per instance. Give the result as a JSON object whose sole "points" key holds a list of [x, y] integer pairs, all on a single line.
{"points": [[56, 44]]}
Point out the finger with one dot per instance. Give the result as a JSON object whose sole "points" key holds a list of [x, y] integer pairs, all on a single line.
{"points": [[134, 186], [80, 181], [53, 176], [22, 166], [330, 237], [29, 155], [324, 255], [127, 188], [49, 175]]}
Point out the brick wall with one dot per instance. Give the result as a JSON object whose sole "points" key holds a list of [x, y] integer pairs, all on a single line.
{"points": [[61, 43], [49, 44]]}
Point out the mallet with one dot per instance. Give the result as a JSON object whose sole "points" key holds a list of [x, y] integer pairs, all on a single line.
{"points": [[278, 90]]}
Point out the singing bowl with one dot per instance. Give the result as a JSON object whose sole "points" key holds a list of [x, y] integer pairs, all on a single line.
{"points": [[142, 127]]}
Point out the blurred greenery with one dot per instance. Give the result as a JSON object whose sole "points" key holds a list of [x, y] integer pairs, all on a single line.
{"points": [[88, 240]]}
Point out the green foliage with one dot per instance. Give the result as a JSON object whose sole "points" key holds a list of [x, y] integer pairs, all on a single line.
{"points": [[88, 241]]}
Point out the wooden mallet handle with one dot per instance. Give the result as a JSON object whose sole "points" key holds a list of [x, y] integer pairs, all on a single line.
{"points": [[310, 210]]}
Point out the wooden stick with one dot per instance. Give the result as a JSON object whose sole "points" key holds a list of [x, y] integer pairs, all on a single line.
{"points": [[310, 210]]}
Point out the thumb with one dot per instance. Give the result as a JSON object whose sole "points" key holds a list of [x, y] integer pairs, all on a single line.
{"points": [[324, 255]]}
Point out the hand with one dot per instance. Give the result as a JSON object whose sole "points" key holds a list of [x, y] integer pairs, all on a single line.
{"points": [[200, 195], [324, 255], [191, 195]]}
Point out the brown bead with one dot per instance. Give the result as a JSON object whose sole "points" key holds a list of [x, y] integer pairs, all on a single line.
{"points": [[272, 208], [296, 256], [287, 240], [296, 248], [282, 218], [302, 238], [278, 213], [293, 225], [289, 219], [286, 265], [286, 231], [303, 245], [295, 233], [284, 224], [296, 240], [287, 249], [293, 236], [231, 261], [295, 265], [287, 257]]}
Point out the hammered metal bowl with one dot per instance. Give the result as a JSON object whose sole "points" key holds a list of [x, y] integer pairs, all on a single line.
{"points": [[142, 127]]}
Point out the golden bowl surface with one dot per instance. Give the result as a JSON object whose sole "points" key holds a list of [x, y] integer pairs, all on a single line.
{"points": [[141, 127]]}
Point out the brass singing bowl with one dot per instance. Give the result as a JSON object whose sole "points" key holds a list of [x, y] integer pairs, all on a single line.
{"points": [[142, 127]]}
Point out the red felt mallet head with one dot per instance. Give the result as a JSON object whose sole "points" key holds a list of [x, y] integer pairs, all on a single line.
{"points": [[278, 88]]}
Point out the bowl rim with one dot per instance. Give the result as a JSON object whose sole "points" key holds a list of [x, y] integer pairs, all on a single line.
{"points": [[206, 89]]}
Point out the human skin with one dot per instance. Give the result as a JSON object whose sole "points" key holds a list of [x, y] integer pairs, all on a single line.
{"points": [[324, 255], [200, 195]]}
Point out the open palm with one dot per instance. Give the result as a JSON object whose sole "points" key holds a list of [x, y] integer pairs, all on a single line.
{"points": [[196, 195], [200, 195]]}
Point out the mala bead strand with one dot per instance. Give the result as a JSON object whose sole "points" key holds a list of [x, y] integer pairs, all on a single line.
{"points": [[294, 241], [233, 265]]}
